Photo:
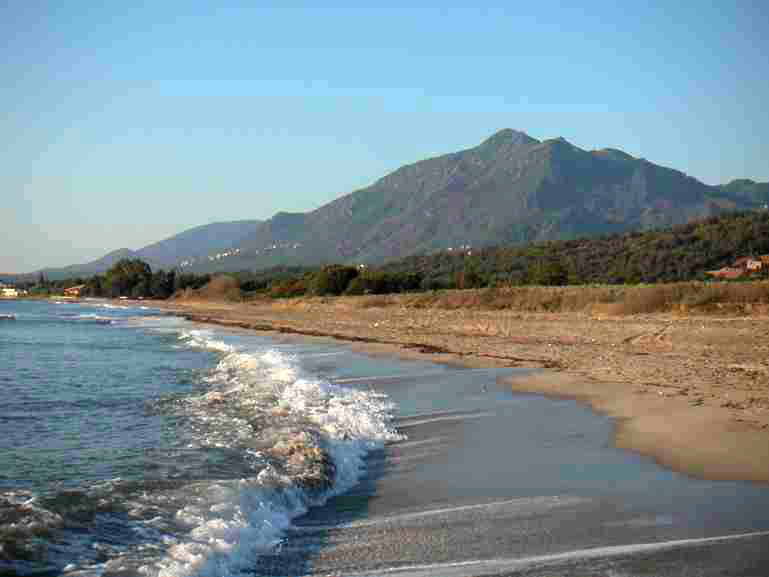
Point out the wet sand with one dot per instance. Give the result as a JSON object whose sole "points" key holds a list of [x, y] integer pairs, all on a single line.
{"points": [[690, 392], [492, 482]]}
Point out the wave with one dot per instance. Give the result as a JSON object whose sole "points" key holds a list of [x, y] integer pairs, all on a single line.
{"points": [[558, 563], [202, 339], [95, 318], [303, 437], [259, 446]]}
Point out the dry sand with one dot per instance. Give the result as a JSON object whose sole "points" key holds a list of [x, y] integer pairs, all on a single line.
{"points": [[691, 392]]}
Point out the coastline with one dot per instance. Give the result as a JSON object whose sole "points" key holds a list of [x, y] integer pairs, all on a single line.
{"points": [[691, 393]]}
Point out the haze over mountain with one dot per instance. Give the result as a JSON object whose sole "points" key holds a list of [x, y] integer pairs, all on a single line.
{"points": [[192, 244], [510, 189]]}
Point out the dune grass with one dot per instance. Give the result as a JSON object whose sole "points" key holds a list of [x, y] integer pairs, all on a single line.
{"points": [[701, 297]]}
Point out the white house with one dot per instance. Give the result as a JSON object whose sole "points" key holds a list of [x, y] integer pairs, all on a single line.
{"points": [[10, 292]]}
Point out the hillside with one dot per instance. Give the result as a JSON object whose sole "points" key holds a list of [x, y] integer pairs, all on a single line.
{"points": [[680, 253], [511, 189], [200, 241], [193, 245]]}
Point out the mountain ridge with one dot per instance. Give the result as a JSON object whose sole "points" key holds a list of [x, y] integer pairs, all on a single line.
{"points": [[509, 189], [191, 244]]}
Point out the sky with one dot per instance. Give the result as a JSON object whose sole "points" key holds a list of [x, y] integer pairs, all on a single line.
{"points": [[123, 123]]}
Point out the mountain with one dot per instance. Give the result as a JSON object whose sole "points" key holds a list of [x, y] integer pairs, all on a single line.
{"points": [[744, 189], [510, 189], [87, 269], [198, 242], [192, 245]]}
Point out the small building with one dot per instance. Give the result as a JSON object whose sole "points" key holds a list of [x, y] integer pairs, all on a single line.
{"points": [[74, 291], [727, 272], [741, 262], [9, 292], [754, 265]]}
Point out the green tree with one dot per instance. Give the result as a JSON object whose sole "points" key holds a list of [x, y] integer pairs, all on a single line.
{"points": [[548, 273], [128, 277], [333, 279]]}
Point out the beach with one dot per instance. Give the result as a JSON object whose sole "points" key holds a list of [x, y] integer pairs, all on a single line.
{"points": [[491, 482], [290, 438], [690, 392]]}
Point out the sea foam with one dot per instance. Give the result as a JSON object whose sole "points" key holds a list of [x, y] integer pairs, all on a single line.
{"points": [[304, 439]]}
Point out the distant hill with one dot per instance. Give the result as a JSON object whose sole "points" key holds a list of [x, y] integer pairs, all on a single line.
{"points": [[194, 244], [198, 243], [510, 189], [747, 190], [90, 268]]}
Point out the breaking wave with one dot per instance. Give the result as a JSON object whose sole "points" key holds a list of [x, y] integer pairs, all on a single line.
{"points": [[253, 447]]}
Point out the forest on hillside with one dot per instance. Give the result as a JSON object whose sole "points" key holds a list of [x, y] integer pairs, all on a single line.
{"points": [[677, 254], [681, 253]]}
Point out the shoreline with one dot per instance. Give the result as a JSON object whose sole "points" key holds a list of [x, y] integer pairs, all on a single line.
{"points": [[704, 427]]}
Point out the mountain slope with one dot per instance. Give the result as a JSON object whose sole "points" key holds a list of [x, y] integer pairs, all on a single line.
{"points": [[90, 268], [195, 243], [510, 189]]}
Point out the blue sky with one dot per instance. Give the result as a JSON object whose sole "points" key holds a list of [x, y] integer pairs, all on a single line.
{"points": [[124, 123]]}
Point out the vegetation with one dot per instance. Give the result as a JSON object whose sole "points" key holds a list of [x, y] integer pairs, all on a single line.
{"points": [[128, 277], [679, 255], [729, 297], [333, 280]]}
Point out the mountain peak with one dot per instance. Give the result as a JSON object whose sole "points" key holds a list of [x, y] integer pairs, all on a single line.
{"points": [[612, 153], [559, 140], [510, 188], [508, 135]]}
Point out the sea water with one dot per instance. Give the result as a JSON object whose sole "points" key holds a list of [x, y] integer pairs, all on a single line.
{"points": [[137, 443], [133, 442]]}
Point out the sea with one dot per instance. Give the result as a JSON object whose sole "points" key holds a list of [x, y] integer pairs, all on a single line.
{"points": [[135, 442]]}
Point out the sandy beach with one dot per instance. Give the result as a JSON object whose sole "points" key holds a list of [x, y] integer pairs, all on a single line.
{"points": [[690, 392]]}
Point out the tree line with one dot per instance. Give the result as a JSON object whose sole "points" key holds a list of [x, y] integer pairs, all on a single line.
{"points": [[681, 253], [128, 277], [676, 254]]}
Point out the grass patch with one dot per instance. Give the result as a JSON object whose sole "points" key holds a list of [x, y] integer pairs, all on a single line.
{"points": [[703, 297]]}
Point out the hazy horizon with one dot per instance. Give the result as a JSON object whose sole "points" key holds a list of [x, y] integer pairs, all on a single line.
{"points": [[125, 125]]}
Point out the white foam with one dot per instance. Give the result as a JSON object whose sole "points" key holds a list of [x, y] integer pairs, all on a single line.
{"points": [[412, 421], [510, 507], [230, 526], [427, 441], [202, 339], [388, 377], [409, 376], [494, 566], [159, 324], [232, 522], [94, 317]]}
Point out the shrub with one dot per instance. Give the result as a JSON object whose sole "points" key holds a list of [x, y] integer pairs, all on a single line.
{"points": [[222, 287], [289, 288], [333, 280]]}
